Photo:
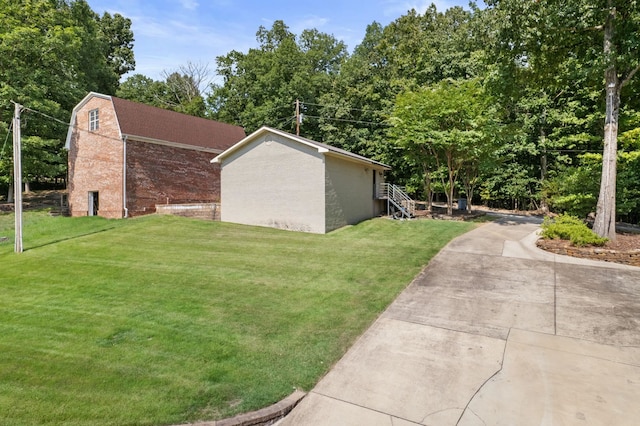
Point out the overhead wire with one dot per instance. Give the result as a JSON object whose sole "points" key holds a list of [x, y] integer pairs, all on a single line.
{"points": [[341, 107], [6, 139], [45, 115], [346, 120]]}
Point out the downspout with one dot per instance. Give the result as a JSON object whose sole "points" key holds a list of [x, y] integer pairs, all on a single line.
{"points": [[124, 176]]}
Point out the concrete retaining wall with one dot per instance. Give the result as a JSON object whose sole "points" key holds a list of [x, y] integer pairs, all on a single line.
{"points": [[210, 211]]}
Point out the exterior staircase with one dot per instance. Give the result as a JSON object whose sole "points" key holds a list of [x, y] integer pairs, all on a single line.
{"points": [[399, 204]]}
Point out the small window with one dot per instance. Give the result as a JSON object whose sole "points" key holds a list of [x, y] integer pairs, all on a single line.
{"points": [[94, 121]]}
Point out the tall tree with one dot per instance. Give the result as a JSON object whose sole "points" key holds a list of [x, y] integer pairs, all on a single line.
{"points": [[621, 49], [602, 37], [181, 90], [51, 54], [412, 51], [185, 88], [143, 89], [446, 128], [261, 86]]}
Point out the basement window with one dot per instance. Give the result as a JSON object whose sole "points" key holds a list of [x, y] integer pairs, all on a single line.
{"points": [[94, 121]]}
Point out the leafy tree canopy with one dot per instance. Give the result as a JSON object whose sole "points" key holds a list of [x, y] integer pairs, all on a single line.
{"points": [[51, 54], [261, 86]]}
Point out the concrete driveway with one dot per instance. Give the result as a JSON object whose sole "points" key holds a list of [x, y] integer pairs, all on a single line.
{"points": [[494, 332]]}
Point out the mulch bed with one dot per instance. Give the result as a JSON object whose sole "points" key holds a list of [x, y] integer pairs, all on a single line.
{"points": [[438, 212]]}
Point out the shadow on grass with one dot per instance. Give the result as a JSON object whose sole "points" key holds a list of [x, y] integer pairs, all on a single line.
{"points": [[75, 237]]}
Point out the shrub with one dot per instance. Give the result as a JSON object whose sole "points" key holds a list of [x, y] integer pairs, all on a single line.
{"points": [[567, 227]]}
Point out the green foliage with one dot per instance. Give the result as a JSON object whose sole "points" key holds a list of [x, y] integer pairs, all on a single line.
{"points": [[574, 189], [511, 185], [181, 90], [173, 321], [628, 188], [414, 50], [51, 54], [567, 227], [563, 50], [445, 127], [142, 89], [261, 86]]}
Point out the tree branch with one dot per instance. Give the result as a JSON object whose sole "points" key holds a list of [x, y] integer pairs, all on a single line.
{"points": [[628, 78]]}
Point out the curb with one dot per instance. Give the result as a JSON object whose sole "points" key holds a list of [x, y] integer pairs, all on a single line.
{"points": [[262, 417]]}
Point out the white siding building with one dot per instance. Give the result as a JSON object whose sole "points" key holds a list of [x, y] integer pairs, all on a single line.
{"points": [[276, 179]]}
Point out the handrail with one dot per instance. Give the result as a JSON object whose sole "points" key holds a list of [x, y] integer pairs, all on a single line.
{"points": [[396, 195]]}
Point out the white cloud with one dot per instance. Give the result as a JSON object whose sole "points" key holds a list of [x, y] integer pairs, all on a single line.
{"points": [[167, 45], [147, 27], [309, 22], [189, 4]]}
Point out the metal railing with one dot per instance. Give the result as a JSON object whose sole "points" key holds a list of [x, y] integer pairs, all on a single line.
{"points": [[397, 199]]}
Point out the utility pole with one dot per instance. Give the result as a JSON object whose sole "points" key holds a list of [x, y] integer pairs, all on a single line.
{"points": [[297, 117], [17, 177]]}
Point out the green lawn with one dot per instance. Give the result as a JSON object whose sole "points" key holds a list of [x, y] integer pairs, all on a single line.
{"points": [[164, 320]]}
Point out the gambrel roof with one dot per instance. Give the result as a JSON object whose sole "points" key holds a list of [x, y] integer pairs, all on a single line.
{"points": [[150, 124]]}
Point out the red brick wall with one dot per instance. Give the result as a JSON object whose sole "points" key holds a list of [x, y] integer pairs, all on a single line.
{"points": [[95, 162], [159, 174]]}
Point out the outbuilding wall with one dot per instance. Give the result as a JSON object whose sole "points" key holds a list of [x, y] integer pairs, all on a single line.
{"points": [[275, 182], [350, 192], [96, 162], [161, 174]]}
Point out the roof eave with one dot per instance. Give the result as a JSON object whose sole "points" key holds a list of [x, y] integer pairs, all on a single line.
{"points": [[321, 149], [260, 131], [368, 162]]}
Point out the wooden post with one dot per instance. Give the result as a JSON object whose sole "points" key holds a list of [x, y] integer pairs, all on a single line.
{"points": [[17, 178]]}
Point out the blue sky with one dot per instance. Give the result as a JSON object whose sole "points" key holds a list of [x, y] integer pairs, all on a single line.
{"points": [[170, 33]]}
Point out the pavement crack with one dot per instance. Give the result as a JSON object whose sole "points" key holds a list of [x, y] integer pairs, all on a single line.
{"points": [[466, 407]]}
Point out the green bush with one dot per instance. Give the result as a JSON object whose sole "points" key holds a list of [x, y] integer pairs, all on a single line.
{"points": [[567, 227]]}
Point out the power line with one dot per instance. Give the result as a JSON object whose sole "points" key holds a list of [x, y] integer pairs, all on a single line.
{"points": [[344, 120], [64, 123], [5, 140], [348, 121], [46, 115], [341, 107]]}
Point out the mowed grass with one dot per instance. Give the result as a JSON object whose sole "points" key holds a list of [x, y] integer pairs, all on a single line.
{"points": [[164, 320]]}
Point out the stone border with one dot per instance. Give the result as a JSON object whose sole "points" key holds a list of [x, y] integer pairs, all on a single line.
{"points": [[263, 417], [621, 257]]}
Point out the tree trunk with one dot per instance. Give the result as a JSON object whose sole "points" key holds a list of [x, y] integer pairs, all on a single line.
{"points": [[605, 221], [542, 143], [543, 169], [427, 188], [469, 192], [10, 193], [452, 182], [470, 176]]}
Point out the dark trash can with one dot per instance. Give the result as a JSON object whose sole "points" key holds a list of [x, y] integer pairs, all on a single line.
{"points": [[462, 203]]}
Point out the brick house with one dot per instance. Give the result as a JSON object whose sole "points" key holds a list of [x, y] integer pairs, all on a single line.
{"points": [[126, 157]]}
